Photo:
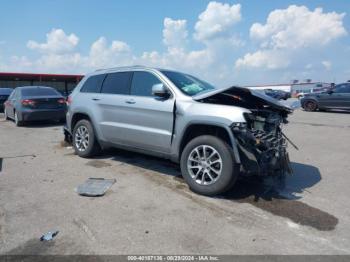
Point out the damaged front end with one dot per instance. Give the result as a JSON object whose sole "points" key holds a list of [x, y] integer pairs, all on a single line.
{"points": [[262, 146]]}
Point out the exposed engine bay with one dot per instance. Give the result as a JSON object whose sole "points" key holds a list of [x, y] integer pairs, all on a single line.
{"points": [[261, 143]]}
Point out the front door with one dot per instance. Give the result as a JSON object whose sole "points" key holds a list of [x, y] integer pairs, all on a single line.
{"points": [[149, 123]]}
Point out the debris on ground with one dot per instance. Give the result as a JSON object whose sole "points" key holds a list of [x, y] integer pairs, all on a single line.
{"points": [[95, 187], [48, 236]]}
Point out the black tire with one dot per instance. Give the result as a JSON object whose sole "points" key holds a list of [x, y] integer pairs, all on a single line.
{"points": [[310, 106], [5, 114], [93, 147], [229, 169], [17, 121]]}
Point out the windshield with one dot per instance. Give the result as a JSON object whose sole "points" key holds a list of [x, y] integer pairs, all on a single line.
{"points": [[188, 84]]}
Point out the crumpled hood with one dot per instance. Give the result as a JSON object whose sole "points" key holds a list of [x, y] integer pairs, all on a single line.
{"points": [[246, 92]]}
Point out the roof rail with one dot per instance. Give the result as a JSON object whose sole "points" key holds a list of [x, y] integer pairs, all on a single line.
{"points": [[122, 67]]}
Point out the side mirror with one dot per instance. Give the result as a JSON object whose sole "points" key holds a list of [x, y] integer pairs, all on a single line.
{"points": [[160, 90]]}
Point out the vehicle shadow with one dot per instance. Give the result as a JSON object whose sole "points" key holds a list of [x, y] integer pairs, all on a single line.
{"points": [[42, 124], [334, 111], [277, 200], [143, 161], [303, 177], [254, 188]]}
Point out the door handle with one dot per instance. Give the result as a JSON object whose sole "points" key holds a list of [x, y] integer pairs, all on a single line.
{"points": [[130, 101], [96, 99]]}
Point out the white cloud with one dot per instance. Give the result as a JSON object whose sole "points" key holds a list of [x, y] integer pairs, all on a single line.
{"points": [[217, 20], [269, 59], [174, 33], [289, 32], [327, 65], [298, 27], [102, 55], [56, 42]]}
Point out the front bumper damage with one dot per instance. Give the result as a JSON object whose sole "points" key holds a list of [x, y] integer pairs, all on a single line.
{"points": [[262, 145]]}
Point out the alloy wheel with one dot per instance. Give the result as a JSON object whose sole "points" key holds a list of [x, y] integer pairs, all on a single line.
{"points": [[204, 165], [82, 138], [310, 106]]}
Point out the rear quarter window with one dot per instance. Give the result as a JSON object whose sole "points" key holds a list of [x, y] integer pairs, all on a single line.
{"points": [[93, 84]]}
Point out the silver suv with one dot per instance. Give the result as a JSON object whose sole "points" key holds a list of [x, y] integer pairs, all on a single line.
{"points": [[215, 134]]}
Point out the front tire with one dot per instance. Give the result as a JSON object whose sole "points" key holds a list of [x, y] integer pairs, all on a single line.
{"points": [[208, 165], [84, 139], [310, 106]]}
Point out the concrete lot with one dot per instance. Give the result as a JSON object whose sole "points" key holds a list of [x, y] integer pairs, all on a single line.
{"points": [[151, 211]]}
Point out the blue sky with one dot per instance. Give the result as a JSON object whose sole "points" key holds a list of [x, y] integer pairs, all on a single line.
{"points": [[214, 40]]}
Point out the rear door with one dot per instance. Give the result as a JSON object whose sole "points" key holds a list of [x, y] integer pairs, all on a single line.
{"points": [[113, 107], [149, 119]]}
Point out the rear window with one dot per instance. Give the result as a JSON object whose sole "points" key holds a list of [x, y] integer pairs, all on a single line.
{"points": [[39, 91], [93, 84], [117, 83]]}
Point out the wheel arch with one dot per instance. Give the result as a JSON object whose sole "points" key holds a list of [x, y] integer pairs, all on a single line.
{"points": [[77, 117], [193, 130]]}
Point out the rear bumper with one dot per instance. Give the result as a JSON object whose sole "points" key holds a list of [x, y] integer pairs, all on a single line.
{"points": [[47, 114], [67, 134]]}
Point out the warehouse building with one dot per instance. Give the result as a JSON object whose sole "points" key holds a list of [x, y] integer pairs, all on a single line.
{"points": [[62, 83]]}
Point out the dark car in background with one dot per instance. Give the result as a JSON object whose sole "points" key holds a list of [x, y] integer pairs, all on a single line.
{"points": [[277, 94], [4, 94], [336, 98], [35, 103]]}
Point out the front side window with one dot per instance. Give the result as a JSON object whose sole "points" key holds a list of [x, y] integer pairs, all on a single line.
{"points": [[188, 84], [142, 83], [117, 83], [342, 88], [93, 84]]}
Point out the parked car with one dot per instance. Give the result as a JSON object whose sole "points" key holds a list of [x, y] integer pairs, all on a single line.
{"points": [[213, 133], [4, 94], [336, 98], [278, 94], [31, 103]]}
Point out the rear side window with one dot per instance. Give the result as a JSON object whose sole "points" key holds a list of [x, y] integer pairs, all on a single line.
{"points": [[142, 83], [39, 91], [93, 84], [117, 83]]}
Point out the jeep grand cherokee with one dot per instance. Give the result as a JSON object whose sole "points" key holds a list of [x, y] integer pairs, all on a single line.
{"points": [[215, 134]]}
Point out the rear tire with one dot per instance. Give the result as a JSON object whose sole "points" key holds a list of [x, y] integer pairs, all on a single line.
{"points": [[17, 121], [310, 106], [84, 139], [220, 170], [5, 114]]}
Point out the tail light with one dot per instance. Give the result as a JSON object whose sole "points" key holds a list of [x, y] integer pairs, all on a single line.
{"points": [[28, 102], [61, 101], [69, 100]]}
